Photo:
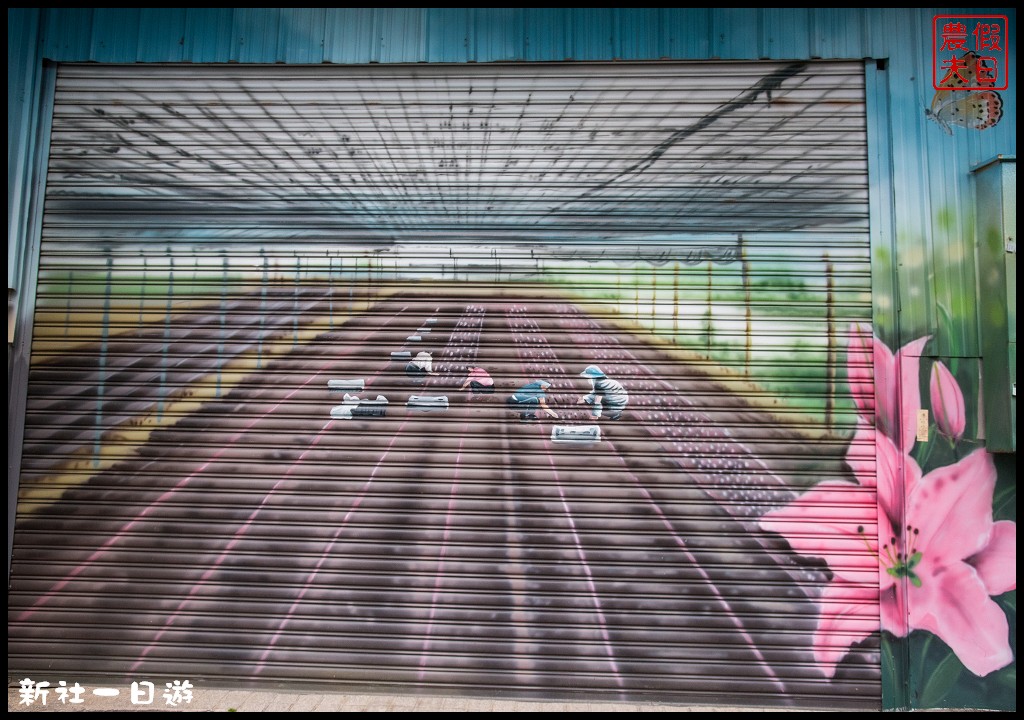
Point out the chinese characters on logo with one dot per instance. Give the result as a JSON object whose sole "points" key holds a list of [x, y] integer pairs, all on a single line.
{"points": [[31, 692], [970, 52], [969, 67]]}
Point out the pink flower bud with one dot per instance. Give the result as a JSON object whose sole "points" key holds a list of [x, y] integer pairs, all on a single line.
{"points": [[947, 402]]}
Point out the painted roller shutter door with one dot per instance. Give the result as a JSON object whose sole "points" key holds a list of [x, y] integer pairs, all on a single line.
{"points": [[230, 475]]}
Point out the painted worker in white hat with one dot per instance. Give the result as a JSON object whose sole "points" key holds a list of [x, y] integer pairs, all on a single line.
{"points": [[420, 366], [607, 397]]}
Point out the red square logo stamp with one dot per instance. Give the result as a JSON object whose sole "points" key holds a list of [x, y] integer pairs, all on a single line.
{"points": [[970, 52]]}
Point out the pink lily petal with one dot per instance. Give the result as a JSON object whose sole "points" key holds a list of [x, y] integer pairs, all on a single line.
{"points": [[859, 370], [897, 391], [947, 402], [834, 521], [847, 615], [861, 455], [886, 548], [951, 508], [997, 563], [875, 461], [953, 603], [895, 383], [885, 386], [893, 608]]}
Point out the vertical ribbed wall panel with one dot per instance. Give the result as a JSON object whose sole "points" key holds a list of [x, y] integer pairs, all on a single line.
{"points": [[497, 34], [115, 34], [349, 36], [208, 35], [638, 34], [448, 34], [301, 36], [22, 117], [162, 34]]}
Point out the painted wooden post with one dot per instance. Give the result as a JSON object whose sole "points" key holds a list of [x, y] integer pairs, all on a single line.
{"points": [[749, 334], [263, 308], [101, 374], [675, 303], [831, 351], [166, 348]]}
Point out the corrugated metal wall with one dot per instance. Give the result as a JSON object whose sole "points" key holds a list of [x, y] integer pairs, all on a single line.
{"points": [[921, 191], [220, 244]]}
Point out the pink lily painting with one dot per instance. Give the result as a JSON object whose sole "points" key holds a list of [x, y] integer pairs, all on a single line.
{"points": [[935, 555]]}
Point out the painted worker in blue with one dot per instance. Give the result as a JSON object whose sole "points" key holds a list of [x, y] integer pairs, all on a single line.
{"points": [[530, 398], [607, 397]]}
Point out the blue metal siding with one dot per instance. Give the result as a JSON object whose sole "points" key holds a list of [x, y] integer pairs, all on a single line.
{"points": [[497, 33], [638, 33], [590, 34], [835, 32], [301, 36], [778, 40], [447, 34], [23, 80], [732, 34], [255, 31], [348, 36], [68, 31], [115, 35], [687, 33], [162, 34], [208, 34], [400, 34], [544, 32]]}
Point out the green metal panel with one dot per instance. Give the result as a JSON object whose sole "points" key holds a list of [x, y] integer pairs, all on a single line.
{"points": [[996, 191]]}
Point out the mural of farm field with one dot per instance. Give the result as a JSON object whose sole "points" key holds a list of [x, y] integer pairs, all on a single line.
{"points": [[214, 447], [520, 380]]}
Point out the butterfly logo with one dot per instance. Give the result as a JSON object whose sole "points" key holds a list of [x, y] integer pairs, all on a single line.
{"points": [[974, 109]]}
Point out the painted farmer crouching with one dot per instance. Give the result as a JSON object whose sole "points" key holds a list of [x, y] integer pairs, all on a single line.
{"points": [[531, 398], [607, 397]]}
